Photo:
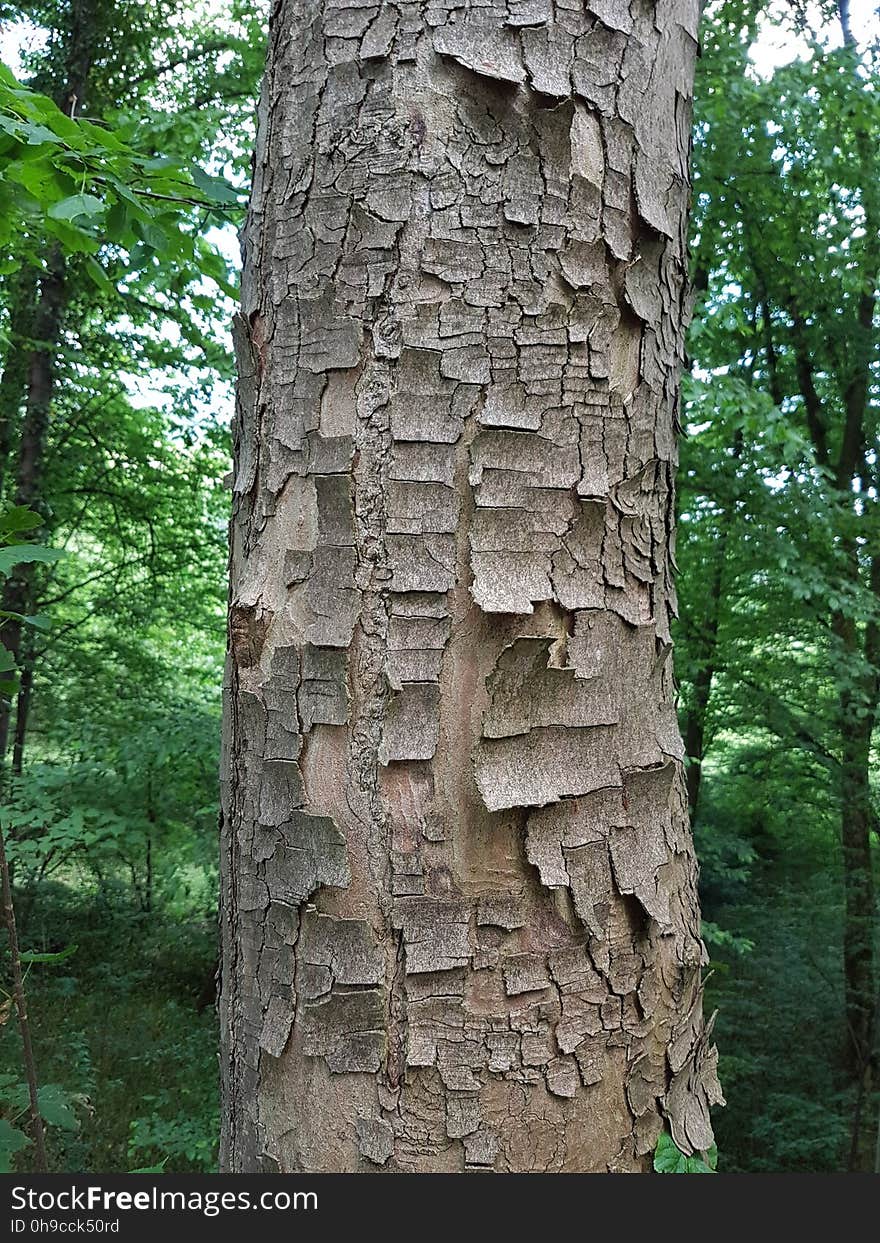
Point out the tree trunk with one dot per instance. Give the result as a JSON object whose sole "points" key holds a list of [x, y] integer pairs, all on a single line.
{"points": [[18, 591], [857, 710], [459, 893], [704, 648], [13, 382], [36, 369], [22, 711], [858, 930]]}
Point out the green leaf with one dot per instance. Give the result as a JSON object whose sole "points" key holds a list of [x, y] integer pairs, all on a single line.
{"points": [[98, 275], [55, 1107], [153, 235], [668, 1159], [19, 554], [12, 1140], [40, 178], [77, 205], [33, 956], [693, 1165], [151, 1169], [72, 237], [8, 686], [19, 518], [37, 134], [214, 189], [39, 621]]}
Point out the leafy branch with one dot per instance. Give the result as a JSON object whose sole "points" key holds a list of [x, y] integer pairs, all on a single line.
{"points": [[87, 185]]}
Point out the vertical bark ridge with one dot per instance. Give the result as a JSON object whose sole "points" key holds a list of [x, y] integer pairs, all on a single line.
{"points": [[459, 893]]}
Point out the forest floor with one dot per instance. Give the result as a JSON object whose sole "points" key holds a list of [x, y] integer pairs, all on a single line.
{"points": [[127, 1027], [779, 1030]]}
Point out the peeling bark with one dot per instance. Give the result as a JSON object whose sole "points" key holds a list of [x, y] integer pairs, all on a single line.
{"points": [[459, 892]]}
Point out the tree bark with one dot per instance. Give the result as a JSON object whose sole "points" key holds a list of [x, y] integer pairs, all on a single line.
{"points": [[18, 591], [13, 382], [706, 649], [24, 1027], [858, 709], [459, 894], [22, 711], [704, 644], [37, 367]]}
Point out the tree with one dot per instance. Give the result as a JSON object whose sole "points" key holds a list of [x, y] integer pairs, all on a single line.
{"points": [[102, 243], [459, 893]]}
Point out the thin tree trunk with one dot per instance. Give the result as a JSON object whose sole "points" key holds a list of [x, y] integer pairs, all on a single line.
{"points": [[30, 1069], [459, 893], [13, 382], [858, 710], [706, 650], [38, 367], [858, 950], [151, 819], [22, 713], [705, 647], [18, 592]]}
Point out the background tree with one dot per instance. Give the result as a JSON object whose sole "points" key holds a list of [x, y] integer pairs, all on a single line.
{"points": [[110, 777], [780, 501]]}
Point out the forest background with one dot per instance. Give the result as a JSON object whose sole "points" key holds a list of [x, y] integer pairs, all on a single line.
{"points": [[123, 176]]}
